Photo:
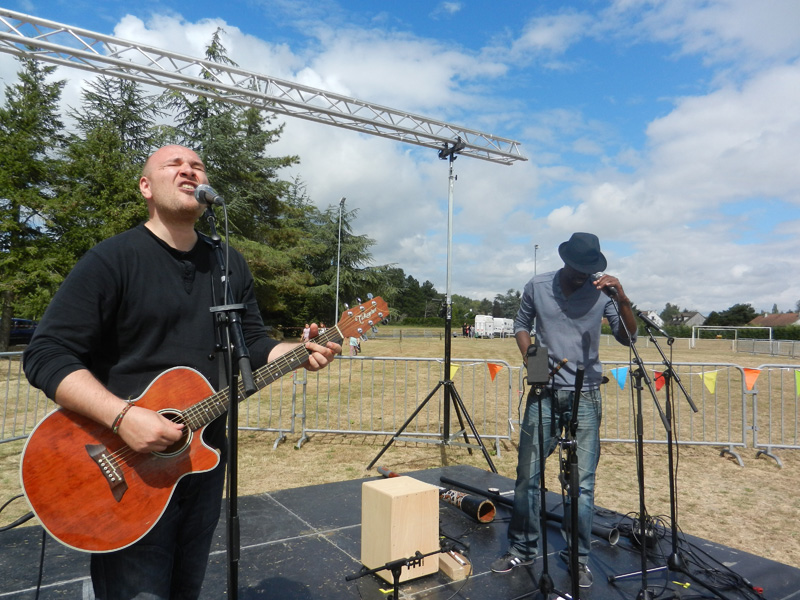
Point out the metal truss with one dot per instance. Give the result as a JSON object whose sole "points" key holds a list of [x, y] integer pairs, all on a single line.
{"points": [[59, 44]]}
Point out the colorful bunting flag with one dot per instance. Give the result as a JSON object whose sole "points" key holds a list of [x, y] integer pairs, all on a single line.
{"points": [[750, 376], [621, 375], [493, 369], [710, 379], [797, 383], [453, 370], [660, 381]]}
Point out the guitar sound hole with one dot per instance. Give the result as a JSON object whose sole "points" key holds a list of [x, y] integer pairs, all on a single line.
{"points": [[182, 443]]}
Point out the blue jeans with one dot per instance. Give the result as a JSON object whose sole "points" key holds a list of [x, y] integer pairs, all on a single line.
{"points": [[169, 562], [523, 530]]}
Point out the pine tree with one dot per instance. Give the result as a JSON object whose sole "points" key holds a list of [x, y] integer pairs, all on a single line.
{"points": [[99, 198], [30, 142]]}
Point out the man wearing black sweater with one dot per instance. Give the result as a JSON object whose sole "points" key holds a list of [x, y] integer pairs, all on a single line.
{"points": [[134, 306]]}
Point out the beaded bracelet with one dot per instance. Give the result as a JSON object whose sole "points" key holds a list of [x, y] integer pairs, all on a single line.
{"points": [[118, 420]]}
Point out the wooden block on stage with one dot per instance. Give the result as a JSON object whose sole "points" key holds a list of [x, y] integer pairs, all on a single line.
{"points": [[455, 566], [399, 517]]}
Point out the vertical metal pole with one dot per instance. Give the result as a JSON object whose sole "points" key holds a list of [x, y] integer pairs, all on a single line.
{"points": [[338, 260], [448, 304], [535, 251]]}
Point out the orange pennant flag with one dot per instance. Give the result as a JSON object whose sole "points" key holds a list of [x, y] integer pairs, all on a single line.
{"points": [[659, 380], [750, 376], [493, 369]]}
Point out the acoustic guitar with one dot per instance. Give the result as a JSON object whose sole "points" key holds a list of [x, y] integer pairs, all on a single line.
{"points": [[95, 494]]}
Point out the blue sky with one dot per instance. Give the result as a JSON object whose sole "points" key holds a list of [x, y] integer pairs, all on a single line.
{"points": [[667, 127]]}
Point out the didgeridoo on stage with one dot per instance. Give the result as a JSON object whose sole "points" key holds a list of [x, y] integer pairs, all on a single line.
{"points": [[610, 534], [480, 509]]}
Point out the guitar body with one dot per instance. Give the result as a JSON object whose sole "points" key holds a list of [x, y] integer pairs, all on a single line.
{"points": [[93, 493], [90, 490]]}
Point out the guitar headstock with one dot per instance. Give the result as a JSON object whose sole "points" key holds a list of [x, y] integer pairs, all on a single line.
{"points": [[356, 321]]}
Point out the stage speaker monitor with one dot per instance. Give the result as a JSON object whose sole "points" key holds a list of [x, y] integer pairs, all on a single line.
{"points": [[399, 517]]}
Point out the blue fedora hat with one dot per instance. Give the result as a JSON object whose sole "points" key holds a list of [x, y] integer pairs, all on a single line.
{"points": [[582, 253]]}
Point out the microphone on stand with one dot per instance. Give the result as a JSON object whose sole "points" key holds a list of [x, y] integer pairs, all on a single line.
{"points": [[206, 195], [609, 290], [650, 323]]}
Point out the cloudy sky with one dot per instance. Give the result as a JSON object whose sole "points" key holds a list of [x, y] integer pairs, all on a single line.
{"points": [[670, 128]]}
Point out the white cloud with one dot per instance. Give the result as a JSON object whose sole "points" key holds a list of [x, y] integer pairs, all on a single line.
{"points": [[740, 31], [732, 143]]}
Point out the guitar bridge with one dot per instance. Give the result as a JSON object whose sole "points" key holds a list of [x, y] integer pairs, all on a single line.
{"points": [[109, 468]]}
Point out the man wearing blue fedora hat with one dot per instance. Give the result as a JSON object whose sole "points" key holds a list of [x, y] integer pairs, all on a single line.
{"points": [[568, 306]]}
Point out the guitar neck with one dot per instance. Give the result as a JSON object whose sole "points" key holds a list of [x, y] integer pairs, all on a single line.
{"points": [[205, 411], [290, 361]]}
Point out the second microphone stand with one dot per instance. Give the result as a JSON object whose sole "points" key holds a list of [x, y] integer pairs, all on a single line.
{"points": [[570, 479], [538, 377]]}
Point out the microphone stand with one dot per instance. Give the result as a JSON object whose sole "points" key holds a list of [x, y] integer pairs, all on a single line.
{"points": [[569, 479], [675, 562], [538, 377], [237, 363], [640, 374]]}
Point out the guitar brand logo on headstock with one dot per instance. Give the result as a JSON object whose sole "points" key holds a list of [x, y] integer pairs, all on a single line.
{"points": [[365, 315]]}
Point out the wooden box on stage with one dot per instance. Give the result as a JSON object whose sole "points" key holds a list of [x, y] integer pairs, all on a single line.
{"points": [[399, 517]]}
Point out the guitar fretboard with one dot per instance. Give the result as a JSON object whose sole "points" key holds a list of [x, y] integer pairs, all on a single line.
{"points": [[205, 411]]}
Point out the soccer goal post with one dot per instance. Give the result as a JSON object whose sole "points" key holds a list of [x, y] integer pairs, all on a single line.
{"points": [[696, 332]]}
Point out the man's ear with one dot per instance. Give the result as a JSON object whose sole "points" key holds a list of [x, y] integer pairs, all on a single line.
{"points": [[144, 187]]}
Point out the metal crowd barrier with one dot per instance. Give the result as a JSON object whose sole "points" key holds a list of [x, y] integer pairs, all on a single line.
{"points": [[776, 404], [737, 407], [376, 395]]}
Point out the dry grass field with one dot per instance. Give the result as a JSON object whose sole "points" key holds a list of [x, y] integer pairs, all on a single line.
{"points": [[753, 508]]}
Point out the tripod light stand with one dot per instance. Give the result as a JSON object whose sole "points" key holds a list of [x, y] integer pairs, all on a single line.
{"points": [[449, 390]]}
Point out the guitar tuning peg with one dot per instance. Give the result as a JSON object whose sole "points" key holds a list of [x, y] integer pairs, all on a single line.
{"points": [[358, 300], [346, 306], [370, 296], [374, 329]]}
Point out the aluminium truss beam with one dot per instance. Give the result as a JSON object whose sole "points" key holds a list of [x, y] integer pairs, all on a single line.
{"points": [[48, 41]]}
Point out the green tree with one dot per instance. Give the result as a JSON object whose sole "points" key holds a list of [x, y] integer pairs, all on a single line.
{"points": [[357, 277], [123, 107], [99, 197], [738, 314], [506, 305], [30, 141]]}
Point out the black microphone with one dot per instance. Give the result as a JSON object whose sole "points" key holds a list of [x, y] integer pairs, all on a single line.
{"points": [[206, 195], [648, 321], [610, 290]]}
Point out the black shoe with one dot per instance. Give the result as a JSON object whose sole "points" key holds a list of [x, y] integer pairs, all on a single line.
{"points": [[508, 561], [585, 577]]}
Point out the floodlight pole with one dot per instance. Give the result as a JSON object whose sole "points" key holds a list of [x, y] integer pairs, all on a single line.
{"points": [[338, 260]]}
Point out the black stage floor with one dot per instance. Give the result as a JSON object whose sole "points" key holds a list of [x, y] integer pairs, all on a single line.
{"points": [[301, 544]]}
